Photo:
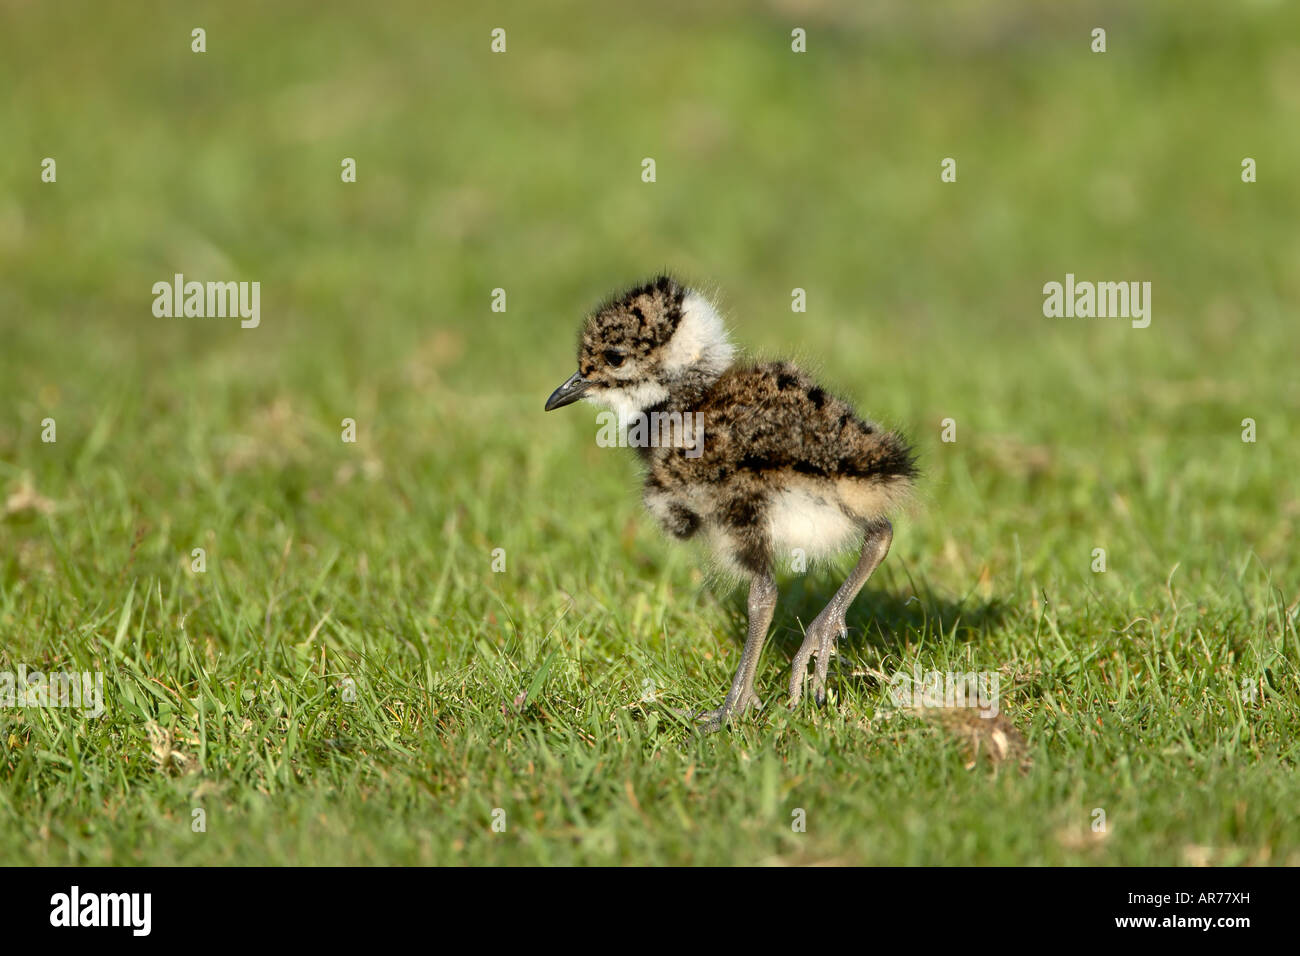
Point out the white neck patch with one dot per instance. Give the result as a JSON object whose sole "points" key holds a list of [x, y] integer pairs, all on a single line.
{"points": [[630, 400], [700, 340]]}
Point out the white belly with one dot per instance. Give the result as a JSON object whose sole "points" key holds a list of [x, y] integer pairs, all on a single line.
{"points": [[808, 519]]}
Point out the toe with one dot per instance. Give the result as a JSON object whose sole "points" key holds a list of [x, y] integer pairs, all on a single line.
{"points": [[710, 721], [796, 688]]}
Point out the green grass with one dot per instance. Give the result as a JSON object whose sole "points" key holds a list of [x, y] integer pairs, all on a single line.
{"points": [[225, 690]]}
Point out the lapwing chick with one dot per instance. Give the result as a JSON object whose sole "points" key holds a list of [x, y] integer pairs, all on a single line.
{"points": [[754, 457]]}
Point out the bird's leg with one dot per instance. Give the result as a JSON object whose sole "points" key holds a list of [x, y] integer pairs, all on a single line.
{"points": [[819, 641], [762, 603]]}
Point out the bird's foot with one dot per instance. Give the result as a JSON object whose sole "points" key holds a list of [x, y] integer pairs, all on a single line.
{"points": [[711, 720], [818, 644]]}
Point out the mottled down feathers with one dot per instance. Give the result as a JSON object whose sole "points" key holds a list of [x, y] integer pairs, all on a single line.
{"points": [[782, 464]]}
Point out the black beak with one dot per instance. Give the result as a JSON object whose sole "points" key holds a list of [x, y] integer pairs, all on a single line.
{"points": [[569, 392]]}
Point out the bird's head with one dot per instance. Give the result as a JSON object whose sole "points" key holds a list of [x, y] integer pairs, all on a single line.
{"points": [[639, 346]]}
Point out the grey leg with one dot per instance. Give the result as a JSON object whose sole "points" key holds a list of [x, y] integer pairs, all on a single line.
{"points": [[762, 604], [819, 641]]}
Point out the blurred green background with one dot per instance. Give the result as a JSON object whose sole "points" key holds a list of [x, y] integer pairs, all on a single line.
{"points": [[522, 171]]}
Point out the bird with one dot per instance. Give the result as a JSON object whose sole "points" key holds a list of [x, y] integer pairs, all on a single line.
{"points": [[761, 462]]}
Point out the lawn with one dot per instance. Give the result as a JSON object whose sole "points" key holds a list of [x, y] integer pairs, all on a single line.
{"points": [[459, 639]]}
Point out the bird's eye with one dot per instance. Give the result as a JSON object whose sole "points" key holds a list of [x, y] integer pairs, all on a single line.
{"points": [[614, 358]]}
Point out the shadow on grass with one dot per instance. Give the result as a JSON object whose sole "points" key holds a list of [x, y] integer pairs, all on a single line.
{"points": [[882, 618]]}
